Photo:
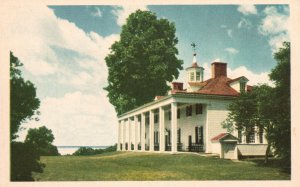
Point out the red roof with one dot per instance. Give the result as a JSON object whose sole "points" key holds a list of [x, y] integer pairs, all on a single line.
{"points": [[218, 86], [196, 83], [221, 137], [218, 137], [213, 86], [195, 65]]}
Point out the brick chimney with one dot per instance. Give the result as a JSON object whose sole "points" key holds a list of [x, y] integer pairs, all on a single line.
{"points": [[177, 86], [218, 69]]}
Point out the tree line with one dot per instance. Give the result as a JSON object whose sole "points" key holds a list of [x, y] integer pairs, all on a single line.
{"points": [[24, 104]]}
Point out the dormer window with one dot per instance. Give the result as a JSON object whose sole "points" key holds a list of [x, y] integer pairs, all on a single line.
{"points": [[242, 87]]}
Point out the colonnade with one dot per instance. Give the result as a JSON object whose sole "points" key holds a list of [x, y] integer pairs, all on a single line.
{"points": [[123, 128]]}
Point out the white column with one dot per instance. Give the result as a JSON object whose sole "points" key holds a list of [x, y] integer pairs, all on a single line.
{"points": [[119, 136], [265, 141], [135, 133], [161, 129], [129, 134], [174, 127], [143, 132], [151, 130], [123, 135], [243, 138]]}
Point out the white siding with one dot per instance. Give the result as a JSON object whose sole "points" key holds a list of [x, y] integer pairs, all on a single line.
{"points": [[216, 148], [216, 114]]}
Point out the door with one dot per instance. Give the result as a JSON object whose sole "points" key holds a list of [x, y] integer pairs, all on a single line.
{"points": [[228, 150]]}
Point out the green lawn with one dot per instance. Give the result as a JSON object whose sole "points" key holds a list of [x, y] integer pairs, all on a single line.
{"points": [[151, 166]]}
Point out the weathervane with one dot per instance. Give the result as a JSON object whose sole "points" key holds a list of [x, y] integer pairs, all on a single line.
{"points": [[194, 47]]}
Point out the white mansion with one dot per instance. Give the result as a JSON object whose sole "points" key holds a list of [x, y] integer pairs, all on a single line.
{"points": [[190, 119]]}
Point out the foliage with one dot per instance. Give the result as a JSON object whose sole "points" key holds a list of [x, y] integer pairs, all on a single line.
{"points": [[128, 166], [24, 161], [251, 113], [23, 105], [281, 140], [90, 151], [267, 108], [42, 139], [142, 62], [23, 100]]}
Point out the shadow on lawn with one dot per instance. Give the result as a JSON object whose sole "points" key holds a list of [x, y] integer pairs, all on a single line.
{"points": [[282, 165]]}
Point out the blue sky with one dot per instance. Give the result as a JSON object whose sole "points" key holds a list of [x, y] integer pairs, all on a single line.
{"points": [[68, 45]]}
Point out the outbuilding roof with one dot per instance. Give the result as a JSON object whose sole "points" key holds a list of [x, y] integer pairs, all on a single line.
{"points": [[224, 137]]}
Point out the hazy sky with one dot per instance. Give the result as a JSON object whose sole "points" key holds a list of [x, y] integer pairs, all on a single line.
{"points": [[63, 50]]}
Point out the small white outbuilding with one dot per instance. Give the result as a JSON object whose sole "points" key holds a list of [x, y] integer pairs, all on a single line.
{"points": [[225, 144]]}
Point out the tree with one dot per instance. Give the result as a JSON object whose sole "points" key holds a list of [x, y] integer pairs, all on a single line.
{"points": [[282, 104], [24, 160], [250, 113], [142, 62], [41, 138], [267, 108], [23, 105], [23, 100]]}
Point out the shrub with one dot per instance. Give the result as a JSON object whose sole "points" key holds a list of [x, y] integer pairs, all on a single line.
{"points": [[90, 151], [25, 159]]}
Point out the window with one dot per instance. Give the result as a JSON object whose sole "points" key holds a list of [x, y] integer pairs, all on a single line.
{"points": [[156, 118], [192, 76], [169, 113], [261, 135], [156, 135], [189, 110], [240, 136], [178, 113], [198, 76], [198, 108], [242, 87], [199, 135], [250, 137]]}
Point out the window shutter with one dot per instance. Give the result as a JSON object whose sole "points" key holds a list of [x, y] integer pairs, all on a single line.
{"points": [[201, 135], [187, 111], [196, 135]]}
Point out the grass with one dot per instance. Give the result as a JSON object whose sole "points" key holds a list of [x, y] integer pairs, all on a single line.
{"points": [[150, 166]]}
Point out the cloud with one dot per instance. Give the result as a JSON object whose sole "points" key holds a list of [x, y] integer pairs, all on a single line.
{"points": [[231, 50], [229, 33], [124, 11], [244, 23], [228, 30], [275, 25], [78, 119], [276, 41], [247, 9], [97, 13], [274, 22], [68, 68]]}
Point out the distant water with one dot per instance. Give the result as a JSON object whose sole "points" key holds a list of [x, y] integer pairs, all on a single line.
{"points": [[64, 150]]}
